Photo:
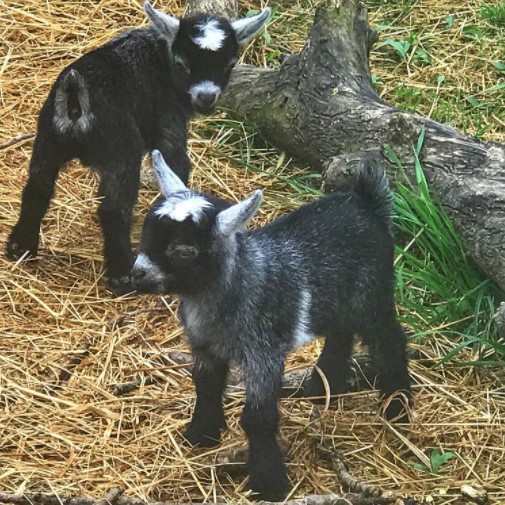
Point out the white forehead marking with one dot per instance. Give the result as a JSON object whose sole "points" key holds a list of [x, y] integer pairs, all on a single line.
{"points": [[302, 334], [180, 207], [204, 87], [211, 35]]}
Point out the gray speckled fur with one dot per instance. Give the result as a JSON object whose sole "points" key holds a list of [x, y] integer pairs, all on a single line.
{"points": [[248, 297]]}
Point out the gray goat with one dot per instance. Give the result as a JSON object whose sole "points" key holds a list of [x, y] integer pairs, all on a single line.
{"points": [[249, 297]]}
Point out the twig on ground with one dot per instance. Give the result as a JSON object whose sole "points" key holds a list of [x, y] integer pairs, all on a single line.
{"points": [[232, 463], [72, 361], [128, 387], [176, 359], [119, 320], [114, 498], [16, 140], [350, 482]]}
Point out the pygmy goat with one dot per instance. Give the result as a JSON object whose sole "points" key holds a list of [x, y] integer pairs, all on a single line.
{"points": [[135, 93], [248, 297]]}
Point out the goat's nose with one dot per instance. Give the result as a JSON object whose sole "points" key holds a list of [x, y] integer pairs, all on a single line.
{"points": [[138, 274], [206, 99]]}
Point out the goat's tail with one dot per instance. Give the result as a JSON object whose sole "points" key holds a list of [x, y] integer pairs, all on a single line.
{"points": [[372, 185], [72, 110]]}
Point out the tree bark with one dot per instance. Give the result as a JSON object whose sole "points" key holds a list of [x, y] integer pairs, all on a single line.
{"points": [[226, 8], [321, 108]]}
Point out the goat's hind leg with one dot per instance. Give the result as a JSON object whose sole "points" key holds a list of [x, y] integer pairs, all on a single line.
{"points": [[387, 342], [49, 154], [333, 363], [209, 377]]}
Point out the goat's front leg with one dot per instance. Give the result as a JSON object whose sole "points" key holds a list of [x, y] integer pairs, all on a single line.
{"points": [[268, 476], [209, 377], [118, 191]]}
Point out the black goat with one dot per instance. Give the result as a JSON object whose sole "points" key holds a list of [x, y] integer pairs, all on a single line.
{"points": [[135, 93], [249, 297]]}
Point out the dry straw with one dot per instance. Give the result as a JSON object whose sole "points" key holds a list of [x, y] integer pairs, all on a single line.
{"points": [[68, 433]]}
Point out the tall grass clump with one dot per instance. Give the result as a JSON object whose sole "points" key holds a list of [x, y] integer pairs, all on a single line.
{"points": [[442, 292], [494, 14]]}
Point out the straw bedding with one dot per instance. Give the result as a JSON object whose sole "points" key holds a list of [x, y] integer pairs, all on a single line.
{"points": [[65, 341]]}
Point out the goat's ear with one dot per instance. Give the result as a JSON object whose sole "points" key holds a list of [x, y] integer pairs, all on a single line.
{"points": [[233, 219], [167, 179], [246, 28], [165, 24]]}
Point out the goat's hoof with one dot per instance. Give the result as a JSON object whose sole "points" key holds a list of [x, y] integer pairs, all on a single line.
{"points": [[269, 486], [19, 247], [396, 411], [197, 436], [314, 389], [121, 285]]}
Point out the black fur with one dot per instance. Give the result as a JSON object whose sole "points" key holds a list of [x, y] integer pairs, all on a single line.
{"points": [[112, 105]]}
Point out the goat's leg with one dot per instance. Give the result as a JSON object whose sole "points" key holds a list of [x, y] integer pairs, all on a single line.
{"points": [[173, 146], [268, 476], [388, 349], [209, 377], [47, 158], [333, 363], [118, 191]]}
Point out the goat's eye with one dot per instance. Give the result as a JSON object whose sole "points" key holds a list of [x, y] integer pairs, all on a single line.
{"points": [[181, 65], [182, 252]]}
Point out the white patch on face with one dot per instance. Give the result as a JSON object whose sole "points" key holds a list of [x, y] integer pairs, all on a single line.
{"points": [[204, 87], [180, 207], [211, 36], [302, 334], [153, 271]]}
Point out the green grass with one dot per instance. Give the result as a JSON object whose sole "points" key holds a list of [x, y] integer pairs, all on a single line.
{"points": [[494, 14], [449, 65], [437, 460], [440, 289]]}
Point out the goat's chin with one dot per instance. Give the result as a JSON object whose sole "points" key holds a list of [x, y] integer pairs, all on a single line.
{"points": [[152, 288], [204, 110]]}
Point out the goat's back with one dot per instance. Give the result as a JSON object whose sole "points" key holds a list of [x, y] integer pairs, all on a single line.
{"points": [[338, 249]]}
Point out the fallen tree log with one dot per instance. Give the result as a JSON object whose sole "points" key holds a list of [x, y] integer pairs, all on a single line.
{"points": [[321, 108], [362, 377]]}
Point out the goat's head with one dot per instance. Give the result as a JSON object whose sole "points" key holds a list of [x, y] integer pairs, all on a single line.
{"points": [[204, 50], [186, 236]]}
